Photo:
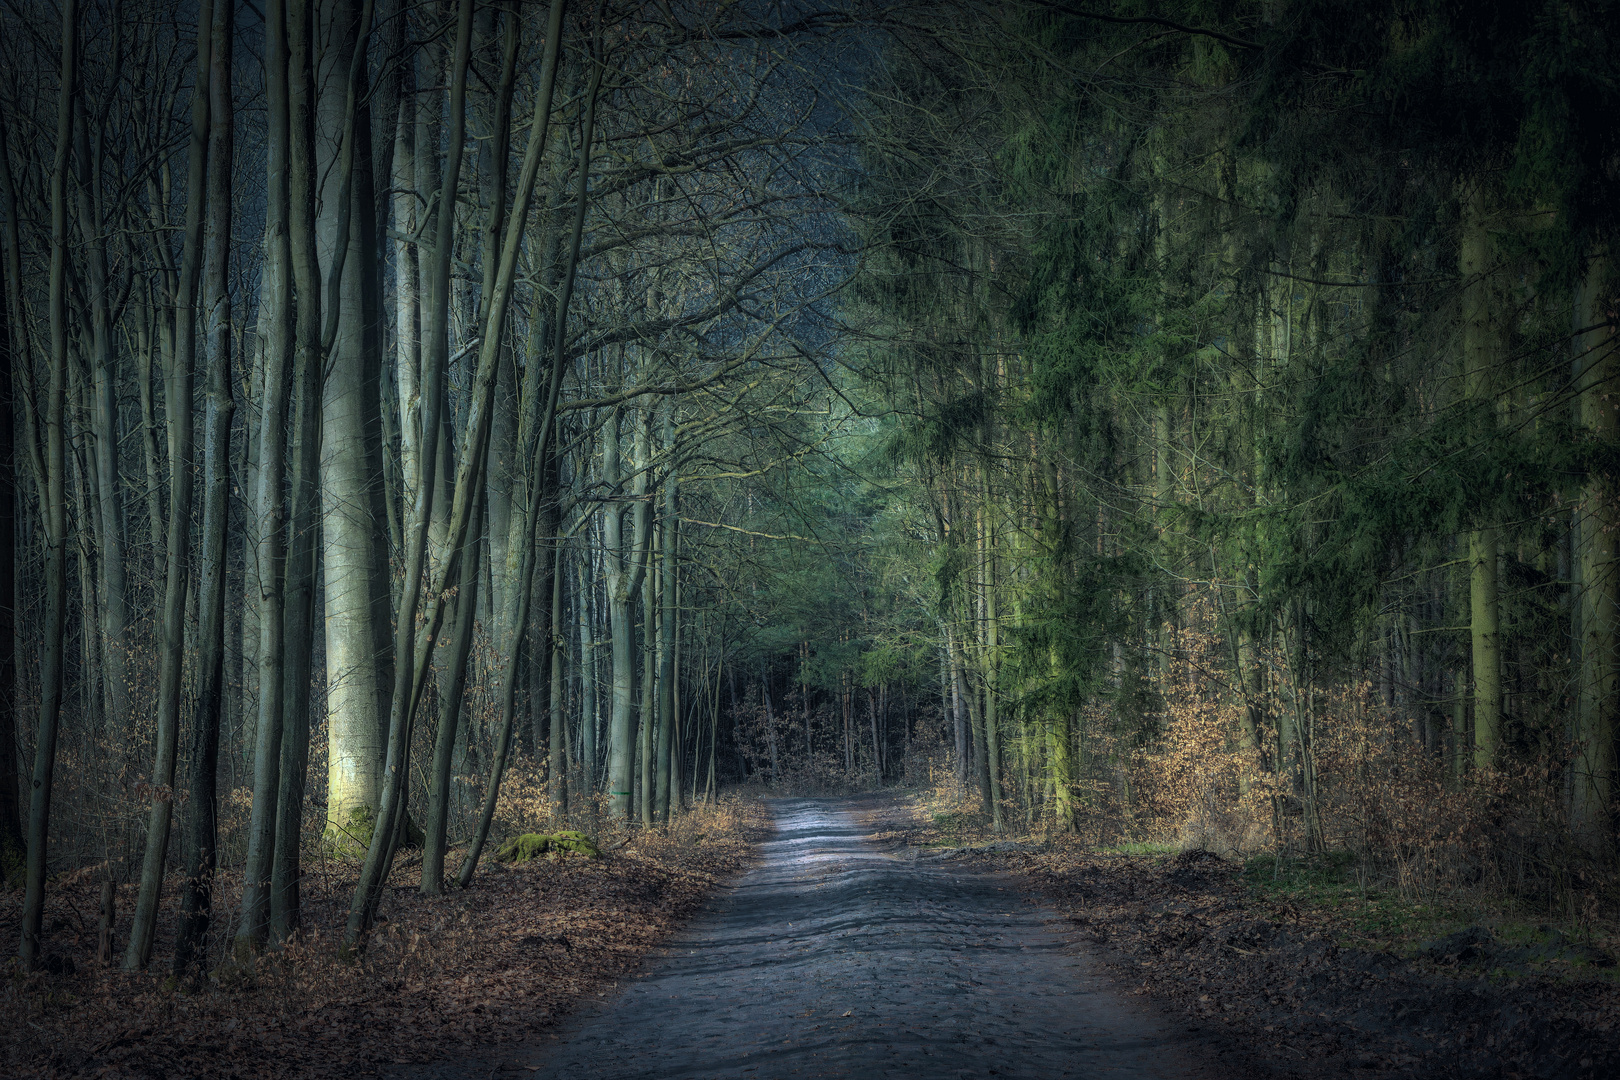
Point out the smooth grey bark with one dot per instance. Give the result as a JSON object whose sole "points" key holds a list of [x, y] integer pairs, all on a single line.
{"points": [[956, 702], [412, 649], [540, 469], [276, 314], [669, 739], [624, 573], [584, 597], [54, 512], [14, 365], [109, 516], [197, 888], [303, 490], [451, 688], [1597, 610], [350, 461], [544, 629], [452, 674], [647, 715], [662, 706], [557, 735], [156, 331], [178, 413]]}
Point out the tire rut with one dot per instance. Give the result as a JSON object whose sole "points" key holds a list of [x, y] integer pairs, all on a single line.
{"points": [[836, 958]]}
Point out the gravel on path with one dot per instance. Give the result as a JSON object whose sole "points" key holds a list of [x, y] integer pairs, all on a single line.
{"points": [[837, 957]]}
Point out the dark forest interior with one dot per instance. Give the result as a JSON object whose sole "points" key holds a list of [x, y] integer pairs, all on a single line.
{"points": [[439, 434]]}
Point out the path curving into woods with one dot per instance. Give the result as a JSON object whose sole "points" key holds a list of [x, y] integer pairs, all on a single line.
{"points": [[838, 957]]}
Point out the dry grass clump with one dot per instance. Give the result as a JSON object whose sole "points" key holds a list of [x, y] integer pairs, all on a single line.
{"points": [[512, 954]]}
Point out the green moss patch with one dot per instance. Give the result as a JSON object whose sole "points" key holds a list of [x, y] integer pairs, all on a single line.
{"points": [[528, 845]]}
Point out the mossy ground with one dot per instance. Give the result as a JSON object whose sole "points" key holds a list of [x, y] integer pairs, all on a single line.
{"points": [[531, 845], [1362, 910]]}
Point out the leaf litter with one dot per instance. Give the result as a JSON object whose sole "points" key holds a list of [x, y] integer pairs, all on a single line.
{"points": [[513, 954], [1270, 985]]}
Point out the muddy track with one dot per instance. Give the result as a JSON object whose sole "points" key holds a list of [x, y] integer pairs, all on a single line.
{"points": [[836, 957]]}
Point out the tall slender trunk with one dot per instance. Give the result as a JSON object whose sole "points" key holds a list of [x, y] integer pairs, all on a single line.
{"points": [[14, 365], [177, 404], [661, 787], [276, 314], [1597, 366], [625, 573], [992, 654], [54, 512], [355, 599], [471, 470], [557, 736], [156, 330], [109, 516], [444, 742], [770, 721], [1481, 348], [957, 702], [545, 628], [297, 627], [669, 746], [197, 893], [583, 603], [647, 713]]}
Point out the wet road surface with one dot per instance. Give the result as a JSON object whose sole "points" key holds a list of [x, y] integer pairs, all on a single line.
{"points": [[834, 957]]}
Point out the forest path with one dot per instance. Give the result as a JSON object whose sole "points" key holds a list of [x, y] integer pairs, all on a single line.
{"points": [[835, 957]]}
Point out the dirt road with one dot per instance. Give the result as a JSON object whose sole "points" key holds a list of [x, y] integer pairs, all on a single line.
{"points": [[836, 958]]}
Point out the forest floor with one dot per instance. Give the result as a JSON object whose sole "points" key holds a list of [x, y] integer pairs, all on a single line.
{"points": [[1296, 971], [521, 949]]}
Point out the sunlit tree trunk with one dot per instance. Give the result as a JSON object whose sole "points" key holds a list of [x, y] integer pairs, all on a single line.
{"points": [[356, 693]]}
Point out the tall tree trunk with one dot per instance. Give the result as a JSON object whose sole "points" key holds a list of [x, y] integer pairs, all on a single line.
{"points": [[157, 330], [625, 572], [178, 407], [452, 689], [647, 713], [14, 365], [992, 653], [276, 314], [297, 627], [557, 735], [583, 603], [350, 459], [54, 512], [1597, 364], [471, 470], [1480, 358], [669, 748], [197, 890], [956, 701], [109, 516]]}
